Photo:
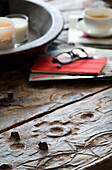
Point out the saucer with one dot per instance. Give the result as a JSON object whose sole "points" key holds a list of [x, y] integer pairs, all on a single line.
{"points": [[83, 27]]}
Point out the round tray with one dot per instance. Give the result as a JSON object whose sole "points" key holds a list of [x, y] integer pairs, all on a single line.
{"points": [[43, 29]]}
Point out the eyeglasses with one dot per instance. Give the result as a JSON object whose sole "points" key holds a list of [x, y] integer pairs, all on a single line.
{"points": [[70, 57]]}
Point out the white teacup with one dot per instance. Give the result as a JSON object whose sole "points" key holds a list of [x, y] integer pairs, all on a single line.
{"points": [[98, 19]]}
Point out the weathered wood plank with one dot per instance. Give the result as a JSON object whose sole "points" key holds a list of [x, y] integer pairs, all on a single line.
{"points": [[40, 97], [78, 136]]}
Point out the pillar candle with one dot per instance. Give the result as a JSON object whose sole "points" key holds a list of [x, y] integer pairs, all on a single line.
{"points": [[21, 27], [7, 33]]}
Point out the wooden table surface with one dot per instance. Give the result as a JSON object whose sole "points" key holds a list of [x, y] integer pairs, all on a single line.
{"points": [[56, 124]]}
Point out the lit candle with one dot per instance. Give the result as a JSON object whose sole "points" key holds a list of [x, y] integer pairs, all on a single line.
{"points": [[7, 33], [21, 27]]}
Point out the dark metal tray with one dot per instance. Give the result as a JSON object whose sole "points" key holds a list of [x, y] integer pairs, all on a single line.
{"points": [[45, 24]]}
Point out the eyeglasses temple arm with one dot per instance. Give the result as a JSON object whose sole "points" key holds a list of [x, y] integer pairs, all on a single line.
{"points": [[54, 60], [75, 59]]}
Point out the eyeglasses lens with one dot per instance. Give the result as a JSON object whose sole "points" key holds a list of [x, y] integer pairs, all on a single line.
{"points": [[64, 58], [80, 53]]}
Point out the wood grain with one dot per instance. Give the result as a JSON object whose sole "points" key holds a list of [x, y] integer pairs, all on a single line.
{"points": [[73, 117], [41, 98], [79, 136]]}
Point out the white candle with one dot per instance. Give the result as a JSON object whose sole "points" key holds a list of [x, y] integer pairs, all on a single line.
{"points": [[6, 33], [21, 27]]}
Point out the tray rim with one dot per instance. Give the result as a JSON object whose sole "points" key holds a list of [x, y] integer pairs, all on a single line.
{"points": [[46, 38]]}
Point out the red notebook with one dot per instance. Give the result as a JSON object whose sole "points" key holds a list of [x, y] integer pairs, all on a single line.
{"points": [[84, 66]]}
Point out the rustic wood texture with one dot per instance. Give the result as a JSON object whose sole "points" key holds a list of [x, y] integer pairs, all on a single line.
{"points": [[78, 136], [40, 98], [74, 117]]}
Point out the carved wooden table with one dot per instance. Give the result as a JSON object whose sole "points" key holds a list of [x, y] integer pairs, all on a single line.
{"points": [[60, 124]]}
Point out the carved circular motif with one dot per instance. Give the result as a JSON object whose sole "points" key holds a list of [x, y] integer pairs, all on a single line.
{"points": [[17, 146], [58, 131], [86, 116]]}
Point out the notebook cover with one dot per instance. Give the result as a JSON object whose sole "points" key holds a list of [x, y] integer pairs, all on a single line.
{"points": [[84, 66]]}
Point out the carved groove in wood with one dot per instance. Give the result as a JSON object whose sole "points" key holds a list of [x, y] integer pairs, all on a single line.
{"points": [[77, 136]]}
